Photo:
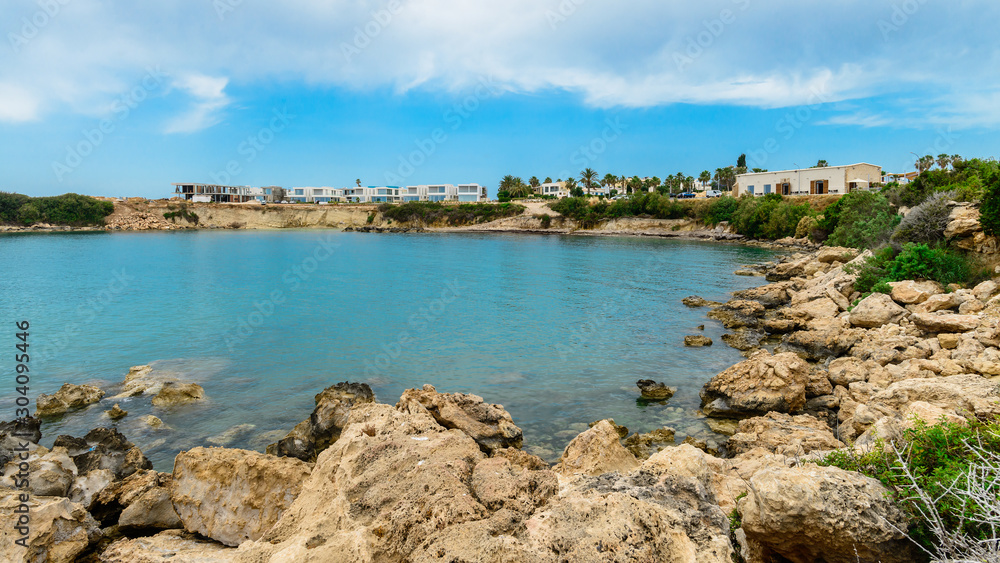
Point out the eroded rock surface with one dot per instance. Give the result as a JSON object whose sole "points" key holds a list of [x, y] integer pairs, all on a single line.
{"points": [[68, 397], [489, 425], [757, 386], [324, 425]]}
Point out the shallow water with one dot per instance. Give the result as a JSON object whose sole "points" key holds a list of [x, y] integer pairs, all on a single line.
{"points": [[555, 328]]}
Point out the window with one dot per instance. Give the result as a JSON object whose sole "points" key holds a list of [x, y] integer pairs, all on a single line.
{"points": [[750, 190], [767, 188]]}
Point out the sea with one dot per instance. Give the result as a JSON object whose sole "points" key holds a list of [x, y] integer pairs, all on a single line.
{"points": [[555, 328]]}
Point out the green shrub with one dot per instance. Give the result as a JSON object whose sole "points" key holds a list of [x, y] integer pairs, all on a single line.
{"points": [[925, 222], [430, 212], [66, 209], [860, 220], [914, 261], [720, 209], [938, 459], [989, 210], [806, 226], [183, 213], [546, 220]]}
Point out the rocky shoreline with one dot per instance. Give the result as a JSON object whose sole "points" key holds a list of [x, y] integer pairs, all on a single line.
{"points": [[442, 477]]}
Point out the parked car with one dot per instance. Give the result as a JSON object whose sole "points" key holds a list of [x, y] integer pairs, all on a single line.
{"points": [[713, 193], [685, 195]]}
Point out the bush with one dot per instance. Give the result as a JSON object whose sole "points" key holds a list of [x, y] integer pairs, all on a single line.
{"points": [[720, 209], [989, 211], [806, 226], [925, 222], [430, 212], [915, 261], [946, 477], [546, 220], [860, 220], [67, 209]]}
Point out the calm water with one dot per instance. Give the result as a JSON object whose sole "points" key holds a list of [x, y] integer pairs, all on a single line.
{"points": [[557, 329]]}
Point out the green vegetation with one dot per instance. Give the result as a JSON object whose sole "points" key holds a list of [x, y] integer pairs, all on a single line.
{"points": [[913, 261], [183, 213], [768, 217], [859, 220], [945, 476], [67, 209], [546, 220], [453, 215]]}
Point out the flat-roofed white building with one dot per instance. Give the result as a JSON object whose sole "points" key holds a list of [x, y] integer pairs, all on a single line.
{"points": [[323, 194], [557, 189], [809, 181], [372, 194], [216, 193], [443, 192]]}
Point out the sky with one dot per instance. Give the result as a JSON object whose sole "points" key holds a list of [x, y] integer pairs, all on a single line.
{"points": [[123, 99]]}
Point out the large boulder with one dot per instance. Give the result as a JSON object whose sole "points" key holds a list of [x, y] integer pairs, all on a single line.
{"points": [[233, 496], [831, 339], [811, 513], [59, 530], [324, 425], [963, 222], [152, 510], [104, 448], [119, 495], [945, 322], [757, 386], [489, 425], [398, 486], [68, 397], [876, 310], [782, 434], [770, 296], [50, 474], [909, 292], [175, 393], [171, 546], [595, 452], [27, 428], [964, 395], [830, 254]]}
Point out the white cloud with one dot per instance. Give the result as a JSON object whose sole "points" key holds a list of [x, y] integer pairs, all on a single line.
{"points": [[209, 98], [765, 53]]}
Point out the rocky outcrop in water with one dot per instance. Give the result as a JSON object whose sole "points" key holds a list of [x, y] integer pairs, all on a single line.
{"points": [[324, 425], [654, 391], [68, 397], [489, 425]]}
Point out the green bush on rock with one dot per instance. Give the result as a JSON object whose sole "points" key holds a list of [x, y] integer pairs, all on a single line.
{"points": [[67, 209], [914, 261]]}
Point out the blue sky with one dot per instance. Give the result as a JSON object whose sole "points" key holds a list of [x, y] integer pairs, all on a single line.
{"points": [[107, 98]]}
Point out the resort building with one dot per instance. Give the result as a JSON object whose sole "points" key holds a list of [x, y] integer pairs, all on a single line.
{"points": [[214, 193], [902, 178], [809, 181], [445, 192], [557, 189]]}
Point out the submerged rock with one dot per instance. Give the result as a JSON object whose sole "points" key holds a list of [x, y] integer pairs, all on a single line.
{"points": [[489, 425], [695, 301], [67, 398], [697, 340], [644, 445], [174, 393], [324, 425], [655, 391]]}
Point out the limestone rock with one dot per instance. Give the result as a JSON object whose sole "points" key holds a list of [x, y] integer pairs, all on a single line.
{"points": [[174, 393], [832, 254], [821, 308], [834, 339], [87, 487], [233, 496], [499, 484], [945, 322], [324, 425], [646, 444], [876, 310], [68, 397], [911, 292], [695, 301], [51, 473], [594, 452], [171, 546], [811, 513], [654, 391], [697, 340], [117, 496], [783, 434], [738, 313], [105, 448], [116, 412], [963, 222], [964, 395], [59, 530], [28, 428], [985, 290], [152, 510], [756, 386], [941, 302], [770, 296], [489, 425]]}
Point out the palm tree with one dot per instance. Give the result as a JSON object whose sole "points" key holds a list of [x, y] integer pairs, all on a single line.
{"points": [[609, 180], [588, 175], [358, 182], [623, 182], [955, 160], [718, 178], [924, 163], [705, 177], [533, 182], [548, 179], [689, 180], [821, 164], [572, 188], [943, 161]]}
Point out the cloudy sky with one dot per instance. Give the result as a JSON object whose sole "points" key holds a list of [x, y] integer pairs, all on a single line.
{"points": [[115, 98]]}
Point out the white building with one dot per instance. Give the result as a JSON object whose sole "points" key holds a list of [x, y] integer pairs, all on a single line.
{"points": [[557, 189], [314, 195], [808, 181], [444, 192], [215, 193]]}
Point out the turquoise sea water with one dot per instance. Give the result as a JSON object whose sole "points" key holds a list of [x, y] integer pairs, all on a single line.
{"points": [[555, 328]]}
